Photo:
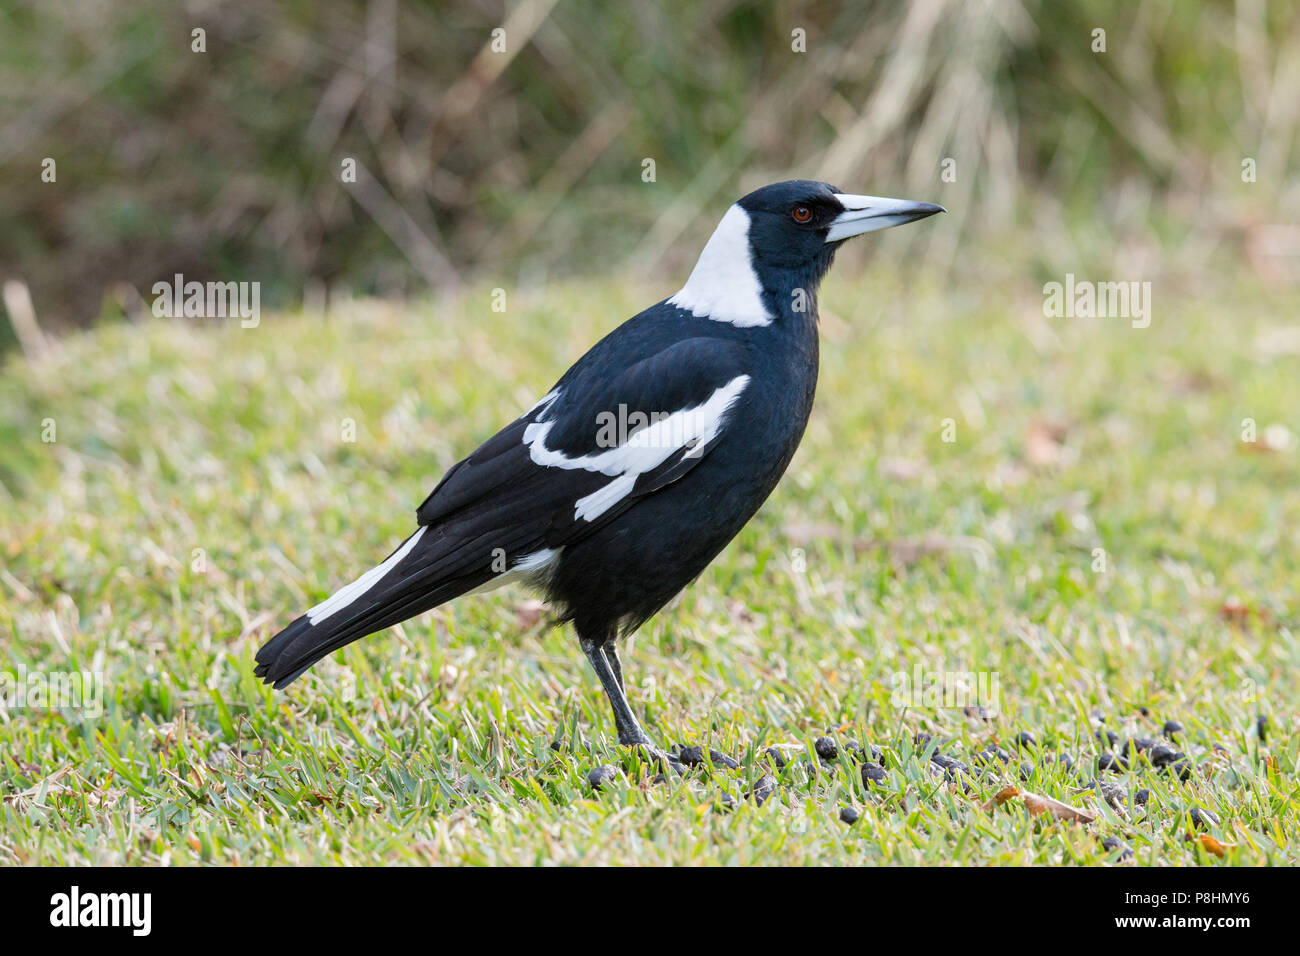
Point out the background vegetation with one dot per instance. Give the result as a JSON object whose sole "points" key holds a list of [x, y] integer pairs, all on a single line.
{"points": [[527, 164]]}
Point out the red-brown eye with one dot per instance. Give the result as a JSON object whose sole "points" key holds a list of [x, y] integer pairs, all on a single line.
{"points": [[801, 213]]}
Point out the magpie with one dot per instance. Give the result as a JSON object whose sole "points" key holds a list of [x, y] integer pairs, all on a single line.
{"points": [[614, 491]]}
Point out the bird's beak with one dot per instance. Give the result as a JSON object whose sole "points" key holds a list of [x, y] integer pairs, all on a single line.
{"points": [[869, 213]]}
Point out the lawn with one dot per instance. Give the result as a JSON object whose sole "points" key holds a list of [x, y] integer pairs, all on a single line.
{"points": [[1064, 510]]}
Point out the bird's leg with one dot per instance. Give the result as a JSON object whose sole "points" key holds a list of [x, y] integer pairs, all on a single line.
{"points": [[610, 650], [630, 733]]}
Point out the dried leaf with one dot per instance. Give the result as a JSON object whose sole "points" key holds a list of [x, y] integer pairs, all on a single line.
{"points": [[1213, 845], [1037, 803], [1001, 797]]}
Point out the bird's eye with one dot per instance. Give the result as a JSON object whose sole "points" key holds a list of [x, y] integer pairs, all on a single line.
{"points": [[801, 213]]}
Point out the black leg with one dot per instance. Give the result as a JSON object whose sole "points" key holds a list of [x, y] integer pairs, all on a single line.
{"points": [[611, 654], [629, 731]]}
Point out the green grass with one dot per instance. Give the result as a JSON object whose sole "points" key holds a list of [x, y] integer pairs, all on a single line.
{"points": [[432, 742]]}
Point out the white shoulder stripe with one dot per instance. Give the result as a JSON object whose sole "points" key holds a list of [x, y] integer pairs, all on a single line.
{"points": [[723, 286], [349, 593], [692, 428]]}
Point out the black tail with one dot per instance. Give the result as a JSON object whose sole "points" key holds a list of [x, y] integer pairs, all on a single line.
{"points": [[419, 575]]}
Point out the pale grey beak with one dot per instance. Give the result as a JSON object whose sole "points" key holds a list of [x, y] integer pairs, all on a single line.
{"points": [[869, 213]]}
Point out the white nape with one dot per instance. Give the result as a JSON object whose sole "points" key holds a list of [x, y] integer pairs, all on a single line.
{"points": [[646, 449], [349, 593], [723, 286]]}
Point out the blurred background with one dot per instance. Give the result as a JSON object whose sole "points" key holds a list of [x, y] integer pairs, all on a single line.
{"points": [[1172, 153]]}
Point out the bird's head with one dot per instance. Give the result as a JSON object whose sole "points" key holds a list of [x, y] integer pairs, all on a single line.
{"points": [[793, 222], [779, 238]]}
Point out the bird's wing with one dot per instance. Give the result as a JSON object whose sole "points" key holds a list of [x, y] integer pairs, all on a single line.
{"points": [[573, 462], [596, 443]]}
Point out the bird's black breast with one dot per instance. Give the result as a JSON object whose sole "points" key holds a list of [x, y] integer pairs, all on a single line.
{"points": [[622, 573]]}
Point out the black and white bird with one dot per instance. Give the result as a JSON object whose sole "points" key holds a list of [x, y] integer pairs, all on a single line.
{"points": [[626, 479]]}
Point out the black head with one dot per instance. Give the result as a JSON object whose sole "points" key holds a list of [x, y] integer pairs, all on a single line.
{"points": [[791, 224]]}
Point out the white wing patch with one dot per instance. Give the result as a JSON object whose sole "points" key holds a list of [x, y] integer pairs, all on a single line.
{"points": [[723, 286], [349, 593], [648, 448], [533, 569]]}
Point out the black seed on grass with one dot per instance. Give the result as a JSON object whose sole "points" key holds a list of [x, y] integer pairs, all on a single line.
{"points": [[1142, 709], [1108, 761], [947, 763], [1203, 819], [1098, 716], [1025, 739], [694, 757], [867, 752], [1026, 770], [1261, 727], [600, 775], [991, 753], [691, 756], [1181, 768], [921, 740], [825, 748], [979, 713], [1107, 736], [1162, 755], [1141, 797], [873, 773], [1171, 727], [848, 815], [1111, 844], [722, 760], [862, 751], [764, 788], [778, 758], [990, 759], [1139, 744]]}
